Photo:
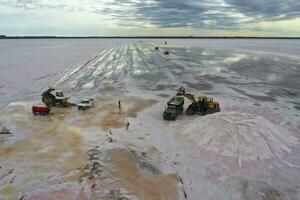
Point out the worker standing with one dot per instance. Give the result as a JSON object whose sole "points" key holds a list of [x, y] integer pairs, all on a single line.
{"points": [[119, 104], [4, 130], [127, 125]]}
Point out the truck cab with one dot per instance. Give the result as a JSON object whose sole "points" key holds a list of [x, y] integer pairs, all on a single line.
{"points": [[170, 113], [59, 94]]}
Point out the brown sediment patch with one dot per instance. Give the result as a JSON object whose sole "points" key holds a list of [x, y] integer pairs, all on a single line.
{"points": [[3, 138], [59, 141], [50, 150], [8, 190], [144, 185], [48, 147], [7, 151], [60, 113], [48, 153], [106, 113]]}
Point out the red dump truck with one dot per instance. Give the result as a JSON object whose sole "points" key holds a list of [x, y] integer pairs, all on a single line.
{"points": [[40, 110]]}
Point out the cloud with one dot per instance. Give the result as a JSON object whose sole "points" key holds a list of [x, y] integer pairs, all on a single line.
{"points": [[211, 14], [267, 9], [204, 14], [174, 13]]}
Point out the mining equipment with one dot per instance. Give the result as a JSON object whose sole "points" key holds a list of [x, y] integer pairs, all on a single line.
{"points": [[40, 110], [174, 108], [200, 104], [51, 97], [85, 104]]}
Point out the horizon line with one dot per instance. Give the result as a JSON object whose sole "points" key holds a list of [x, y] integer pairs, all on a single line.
{"points": [[145, 37]]}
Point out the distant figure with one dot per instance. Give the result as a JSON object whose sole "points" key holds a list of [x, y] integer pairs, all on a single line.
{"points": [[119, 104], [165, 42], [110, 133], [4, 130], [127, 125]]}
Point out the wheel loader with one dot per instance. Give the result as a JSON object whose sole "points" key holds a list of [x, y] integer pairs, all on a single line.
{"points": [[200, 104], [203, 105], [55, 98]]}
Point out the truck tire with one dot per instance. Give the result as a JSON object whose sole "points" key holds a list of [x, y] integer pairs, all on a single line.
{"points": [[181, 110], [81, 108], [48, 100]]}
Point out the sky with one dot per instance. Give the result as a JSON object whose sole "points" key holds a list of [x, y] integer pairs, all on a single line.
{"points": [[150, 17]]}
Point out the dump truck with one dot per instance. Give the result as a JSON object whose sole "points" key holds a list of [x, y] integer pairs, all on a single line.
{"points": [[40, 110], [174, 108], [51, 97], [200, 104]]}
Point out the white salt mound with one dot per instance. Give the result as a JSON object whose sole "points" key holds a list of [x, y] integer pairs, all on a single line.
{"points": [[240, 135]]}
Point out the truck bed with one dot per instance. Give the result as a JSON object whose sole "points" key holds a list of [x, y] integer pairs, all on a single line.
{"points": [[177, 101]]}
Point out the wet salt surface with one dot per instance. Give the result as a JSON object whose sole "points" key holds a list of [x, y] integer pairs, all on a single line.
{"points": [[247, 151]]}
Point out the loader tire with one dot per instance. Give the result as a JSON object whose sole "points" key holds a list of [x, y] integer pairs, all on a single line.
{"points": [[209, 111], [190, 111]]}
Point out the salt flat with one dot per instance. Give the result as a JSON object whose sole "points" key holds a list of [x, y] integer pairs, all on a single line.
{"points": [[247, 151]]}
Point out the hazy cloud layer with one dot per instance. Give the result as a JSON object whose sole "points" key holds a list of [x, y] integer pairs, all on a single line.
{"points": [[175, 13], [211, 14], [267, 9]]}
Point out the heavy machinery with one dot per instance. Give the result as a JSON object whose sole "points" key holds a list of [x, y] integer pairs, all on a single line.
{"points": [[200, 104], [174, 108], [40, 110], [55, 98], [86, 104]]}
